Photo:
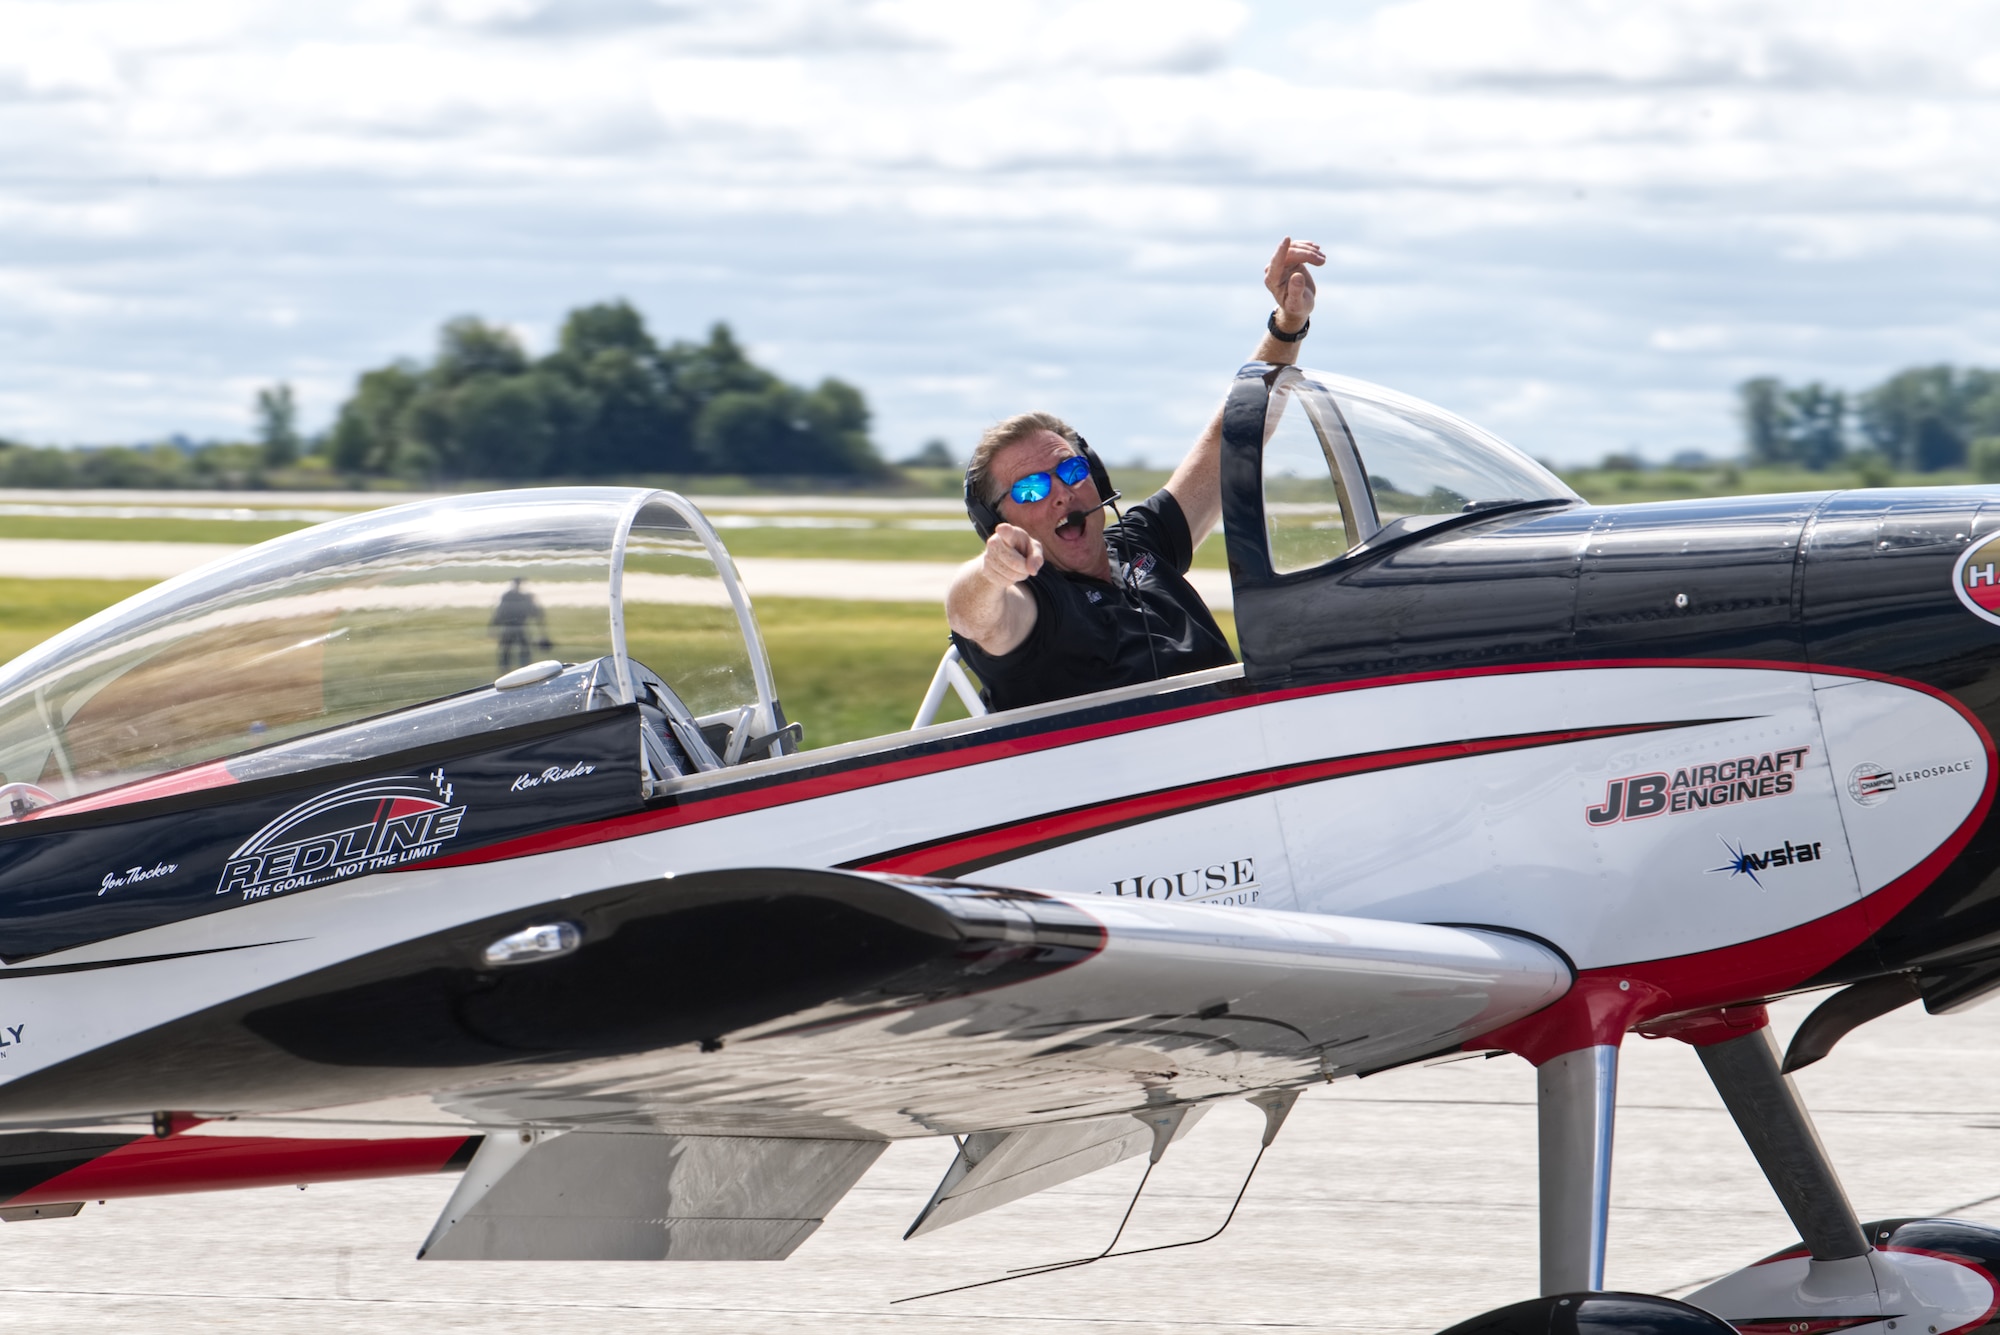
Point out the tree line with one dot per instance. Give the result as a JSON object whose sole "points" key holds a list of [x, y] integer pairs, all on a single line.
{"points": [[1922, 419], [609, 401]]}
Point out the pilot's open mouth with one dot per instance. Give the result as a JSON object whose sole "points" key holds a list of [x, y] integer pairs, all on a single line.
{"points": [[1072, 526]]}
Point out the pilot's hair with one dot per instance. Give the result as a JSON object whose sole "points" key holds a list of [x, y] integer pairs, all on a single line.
{"points": [[1009, 431]]}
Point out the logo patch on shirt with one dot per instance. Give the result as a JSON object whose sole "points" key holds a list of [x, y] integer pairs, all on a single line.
{"points": [[1143, 563], [1093, 595]]}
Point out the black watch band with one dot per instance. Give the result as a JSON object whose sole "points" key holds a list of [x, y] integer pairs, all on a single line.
{"points": [[1271, 323]]}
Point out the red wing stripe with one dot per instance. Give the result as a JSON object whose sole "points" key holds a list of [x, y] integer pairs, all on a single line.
{"points": [[150, 1167], [962, 854]]}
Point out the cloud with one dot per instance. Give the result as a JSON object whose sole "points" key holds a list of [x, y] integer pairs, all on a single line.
{"points": [[1839, 46], [1584, 218]]}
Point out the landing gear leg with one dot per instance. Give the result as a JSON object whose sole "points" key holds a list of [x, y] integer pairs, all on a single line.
{"points": [[1576, 1095], [1779, 1131], [1576, 1099]]}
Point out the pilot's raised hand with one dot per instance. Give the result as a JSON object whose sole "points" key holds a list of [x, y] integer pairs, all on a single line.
{"points": [[1012, 555], [1290, 283]]}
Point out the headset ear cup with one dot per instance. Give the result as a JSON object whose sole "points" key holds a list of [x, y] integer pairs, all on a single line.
{"points": [[1100, 476], [983, 516]]}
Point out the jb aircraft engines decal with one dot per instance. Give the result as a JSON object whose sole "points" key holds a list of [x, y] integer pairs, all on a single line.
{"points": [[374, 825], [1976, 579], [1695, 787]]}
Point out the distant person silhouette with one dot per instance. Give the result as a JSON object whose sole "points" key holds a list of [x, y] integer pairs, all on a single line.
{"points": [[510, 623]]}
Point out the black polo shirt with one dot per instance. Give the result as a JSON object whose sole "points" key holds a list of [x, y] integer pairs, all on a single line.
{"points": [[1090, 636]]}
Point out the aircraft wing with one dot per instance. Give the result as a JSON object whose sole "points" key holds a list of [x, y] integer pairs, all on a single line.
{"points": [[750, 1017], [808, 1002]]}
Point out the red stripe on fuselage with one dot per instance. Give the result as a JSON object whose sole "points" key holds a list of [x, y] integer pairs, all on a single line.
{"points": [[767, 791], [960, 855], [1745, 972], [215, 774]]}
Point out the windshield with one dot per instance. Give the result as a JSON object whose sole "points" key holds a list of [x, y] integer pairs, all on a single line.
{"points": [[1423, 463], [366, 616]]}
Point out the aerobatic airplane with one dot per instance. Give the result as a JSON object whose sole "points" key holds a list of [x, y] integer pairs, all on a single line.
{"points": [[308, 873]]}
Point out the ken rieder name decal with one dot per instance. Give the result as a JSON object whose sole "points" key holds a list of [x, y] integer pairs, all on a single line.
{"points": [[553, 774]]}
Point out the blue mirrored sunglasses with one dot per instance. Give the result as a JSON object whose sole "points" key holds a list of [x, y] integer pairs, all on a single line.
{"points": [[1036, 486]]}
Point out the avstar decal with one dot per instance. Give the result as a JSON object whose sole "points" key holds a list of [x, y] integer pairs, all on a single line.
{"points": [[1744, 863]]}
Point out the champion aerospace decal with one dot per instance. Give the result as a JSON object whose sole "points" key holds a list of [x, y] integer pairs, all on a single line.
{"points": [[242, 844]]}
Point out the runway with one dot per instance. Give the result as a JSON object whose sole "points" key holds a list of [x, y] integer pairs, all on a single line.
{"points": [[1402, 1203], [764, 576]]}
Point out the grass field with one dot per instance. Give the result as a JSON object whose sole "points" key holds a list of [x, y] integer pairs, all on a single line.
{"points": [[845, 670], [1619, 487], [31, 610], [86, 529]]}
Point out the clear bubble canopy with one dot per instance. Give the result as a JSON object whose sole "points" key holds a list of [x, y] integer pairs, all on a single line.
{"points": [[365, 616]]}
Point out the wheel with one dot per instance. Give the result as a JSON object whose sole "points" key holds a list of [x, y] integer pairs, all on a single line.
{"points": [[1595, 1314]]}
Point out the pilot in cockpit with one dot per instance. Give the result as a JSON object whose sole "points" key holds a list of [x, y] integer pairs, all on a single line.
{"points": [[1061, 604]]}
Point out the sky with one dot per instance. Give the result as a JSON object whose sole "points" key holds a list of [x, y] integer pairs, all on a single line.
{"points": [[1577, 223]]}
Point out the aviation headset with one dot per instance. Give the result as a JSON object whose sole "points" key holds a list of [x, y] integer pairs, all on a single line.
{"points": [[985, 516]]}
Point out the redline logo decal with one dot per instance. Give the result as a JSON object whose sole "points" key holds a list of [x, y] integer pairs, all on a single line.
{"points": [[374, 825], [1745, 779], [1976, 579]]}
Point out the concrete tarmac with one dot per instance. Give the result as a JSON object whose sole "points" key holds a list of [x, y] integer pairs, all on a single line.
{"points": [[1402, 1203], [763, 576]]}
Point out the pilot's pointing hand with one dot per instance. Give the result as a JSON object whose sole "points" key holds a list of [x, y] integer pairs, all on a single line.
{"points": [[1012, 555]]}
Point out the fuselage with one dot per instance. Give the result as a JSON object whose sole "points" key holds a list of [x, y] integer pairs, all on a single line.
{"points": [[1720, 750]]}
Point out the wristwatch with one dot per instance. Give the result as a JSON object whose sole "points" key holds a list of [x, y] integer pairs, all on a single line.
{"points": [[1271, 323]]}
